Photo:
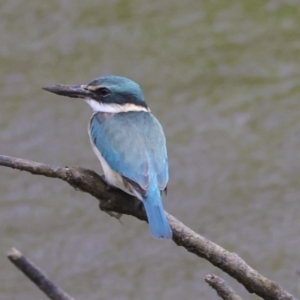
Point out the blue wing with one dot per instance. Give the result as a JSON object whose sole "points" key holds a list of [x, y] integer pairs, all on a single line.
{"points": [[133, 144], [156, 143]]}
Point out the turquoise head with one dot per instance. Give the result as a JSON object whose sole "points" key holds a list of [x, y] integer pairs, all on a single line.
{"points": [[106, 94]]}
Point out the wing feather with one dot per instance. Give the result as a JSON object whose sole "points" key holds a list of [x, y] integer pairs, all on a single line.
{"points": [[132, 144]]}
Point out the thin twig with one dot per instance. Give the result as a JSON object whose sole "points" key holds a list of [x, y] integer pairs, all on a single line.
{"points": [[122, 203], [222, 288], [36, 276]]}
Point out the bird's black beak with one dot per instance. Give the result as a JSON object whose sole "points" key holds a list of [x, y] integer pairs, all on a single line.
{"points": [[73, 91]]}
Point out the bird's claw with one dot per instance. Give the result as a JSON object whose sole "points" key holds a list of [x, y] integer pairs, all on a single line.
{"points": [[108, 187], [115, 215]]}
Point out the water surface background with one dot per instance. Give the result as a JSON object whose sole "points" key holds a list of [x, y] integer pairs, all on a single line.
{"points": [[223, 79]]}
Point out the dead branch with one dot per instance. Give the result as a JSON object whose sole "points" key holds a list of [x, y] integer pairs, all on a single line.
{"points": [[222, 288], [119, 202], [36, 276]]}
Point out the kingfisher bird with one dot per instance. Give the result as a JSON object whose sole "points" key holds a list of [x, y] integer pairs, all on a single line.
{"points": [[128, 141]]}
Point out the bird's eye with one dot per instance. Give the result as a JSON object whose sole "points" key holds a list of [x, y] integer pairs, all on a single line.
{"points": [[103, 91]]}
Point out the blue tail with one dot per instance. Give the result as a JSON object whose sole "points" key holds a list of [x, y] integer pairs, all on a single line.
{"points": [[158, 223]]}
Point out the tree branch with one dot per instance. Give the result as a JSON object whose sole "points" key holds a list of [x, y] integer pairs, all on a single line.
{"points": [[117, 201], [222, 288], [36, 276]]}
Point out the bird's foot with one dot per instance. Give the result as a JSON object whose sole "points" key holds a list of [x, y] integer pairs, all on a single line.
{"points": [[108, 187], [115, 215]]}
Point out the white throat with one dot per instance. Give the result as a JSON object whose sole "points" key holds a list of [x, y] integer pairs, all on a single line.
{"points": [[113, 108]]}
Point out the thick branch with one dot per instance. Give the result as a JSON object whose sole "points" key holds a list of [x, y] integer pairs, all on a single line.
{"points": [[120, 202], [36, 276], [221, 287]]}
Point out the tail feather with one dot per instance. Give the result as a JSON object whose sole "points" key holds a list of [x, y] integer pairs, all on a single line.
{"points": [[158, 223]]}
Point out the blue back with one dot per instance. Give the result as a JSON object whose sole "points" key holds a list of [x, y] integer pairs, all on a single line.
{"points": [[133, 144]]}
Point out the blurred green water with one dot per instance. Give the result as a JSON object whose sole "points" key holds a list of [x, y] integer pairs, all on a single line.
{"points": [[223, 79]]}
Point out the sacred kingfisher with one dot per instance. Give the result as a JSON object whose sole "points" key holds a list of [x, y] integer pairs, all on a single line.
{"points": [[129, 142]]}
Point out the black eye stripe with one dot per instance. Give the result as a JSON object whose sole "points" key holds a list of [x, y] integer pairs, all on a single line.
{"points": [[98, 90], [102, 91]]}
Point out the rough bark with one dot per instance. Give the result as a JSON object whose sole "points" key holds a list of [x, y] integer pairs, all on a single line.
{"points": [[222, 288]]}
